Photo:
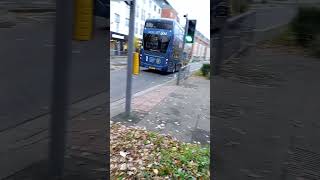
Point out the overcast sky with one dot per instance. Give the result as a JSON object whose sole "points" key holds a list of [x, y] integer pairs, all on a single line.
{"points": [[196, 9]]}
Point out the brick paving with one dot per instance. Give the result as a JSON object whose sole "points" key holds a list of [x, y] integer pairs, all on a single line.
{"points": [[183, 112], [147, 102]]}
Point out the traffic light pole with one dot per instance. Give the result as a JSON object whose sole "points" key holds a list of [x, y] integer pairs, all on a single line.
{"points": [[130, 57], [183, 45], [61, 68], [221, 13], [185, 33]]}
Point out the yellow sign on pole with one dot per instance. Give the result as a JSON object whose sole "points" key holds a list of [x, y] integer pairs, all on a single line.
{"points": [[136, 65], [83, 20]]}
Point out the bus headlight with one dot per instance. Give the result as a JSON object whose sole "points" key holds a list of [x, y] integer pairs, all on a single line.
{"points": [[146, 58], [167, 60], [158, 61]]}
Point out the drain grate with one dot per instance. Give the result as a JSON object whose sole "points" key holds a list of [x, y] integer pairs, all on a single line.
{"points": [[303, 164]]}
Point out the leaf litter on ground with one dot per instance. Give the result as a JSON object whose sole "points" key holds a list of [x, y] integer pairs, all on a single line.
{"points": [[140, 154]]}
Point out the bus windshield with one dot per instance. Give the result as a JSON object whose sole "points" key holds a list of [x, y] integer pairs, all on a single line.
{"points": [[159, 25], [156, 43]]}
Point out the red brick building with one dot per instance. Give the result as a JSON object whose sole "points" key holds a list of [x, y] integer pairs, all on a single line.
{"points": [[168, 11], [200, 48]]}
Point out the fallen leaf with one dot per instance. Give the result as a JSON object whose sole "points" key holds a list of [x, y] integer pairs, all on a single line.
{"points": [[123, 154], [123, 166], [156, 171]]}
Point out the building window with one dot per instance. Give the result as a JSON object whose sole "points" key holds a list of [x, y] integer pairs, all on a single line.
{"points": [[150, 4], [137, 11], [117, 21], [159, 10], [149, 15], [127, 22], [136, 28], [143, 14], [155, 8], [116, 18], [141, 29], [144, 1]]}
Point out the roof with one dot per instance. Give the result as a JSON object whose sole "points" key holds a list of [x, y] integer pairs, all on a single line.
{"points": [[198, 33], [163, 3], [167, 19]]}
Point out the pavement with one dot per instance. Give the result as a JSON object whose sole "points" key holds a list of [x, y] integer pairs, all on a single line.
{"points": [[276, 15], [181, 111], [85, 156], [268, 21], [118, 62], [264, 110]]}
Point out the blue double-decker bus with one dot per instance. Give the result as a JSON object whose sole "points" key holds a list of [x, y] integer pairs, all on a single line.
{"points": [[162, 45]]}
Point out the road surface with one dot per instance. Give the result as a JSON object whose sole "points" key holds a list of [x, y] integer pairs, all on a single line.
{"points": [[26, 71], [146, 79]]}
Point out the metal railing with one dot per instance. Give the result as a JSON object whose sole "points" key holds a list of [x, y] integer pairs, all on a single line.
{"points": [[235, 36], [183, 74], [118, 53]]}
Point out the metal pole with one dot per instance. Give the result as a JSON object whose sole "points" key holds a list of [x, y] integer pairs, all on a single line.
{"points": [[220, 16], [184, 42], [130, 57], [217, 60], [61, 67]]}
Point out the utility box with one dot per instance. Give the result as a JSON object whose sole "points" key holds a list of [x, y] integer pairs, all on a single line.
{"points": [[83, 20]]}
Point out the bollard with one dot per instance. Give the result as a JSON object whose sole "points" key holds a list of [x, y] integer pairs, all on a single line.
{"points": [[83, 20], [136, 67]]}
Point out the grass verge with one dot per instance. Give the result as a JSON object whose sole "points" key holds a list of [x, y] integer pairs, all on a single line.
{"points": [[140, 154], [303, 32]]}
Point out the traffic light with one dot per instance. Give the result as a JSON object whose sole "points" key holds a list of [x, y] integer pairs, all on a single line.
{"points": [[191, 31]]}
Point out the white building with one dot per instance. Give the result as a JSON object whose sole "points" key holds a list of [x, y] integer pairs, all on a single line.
{"points": [[119, 17], [145, 9], [119, 22]]}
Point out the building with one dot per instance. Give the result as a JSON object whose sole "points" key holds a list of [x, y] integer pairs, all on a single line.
{"points": [[168, 11], [119, 22], [145, 9], [119, 27], [200, 48]]}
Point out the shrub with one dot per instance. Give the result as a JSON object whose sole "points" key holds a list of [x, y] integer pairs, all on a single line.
{"points": [[315, 46], [306, 25], [239, 6], [205, 69], [244, 7]]}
